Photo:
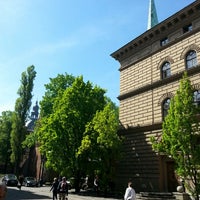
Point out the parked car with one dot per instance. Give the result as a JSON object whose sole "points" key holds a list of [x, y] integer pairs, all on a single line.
{"points": [[30, 182], [10, 180]]}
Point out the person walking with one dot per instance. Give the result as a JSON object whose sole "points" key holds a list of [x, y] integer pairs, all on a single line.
{"points": [[21, 180], [96, 184], [54, 188], [130, 192], [63, 189]]}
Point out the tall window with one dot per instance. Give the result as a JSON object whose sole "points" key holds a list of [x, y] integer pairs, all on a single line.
{"points": [[197, 98], [165, 107], [165, 70], [191, 59]]}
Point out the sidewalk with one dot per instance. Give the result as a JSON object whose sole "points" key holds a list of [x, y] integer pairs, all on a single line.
{"points": [[33, 193]]}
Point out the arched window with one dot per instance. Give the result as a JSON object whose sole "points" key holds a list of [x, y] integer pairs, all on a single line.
{"points": [[165, 70], [191, 59], [197, 98], [165, 107]]}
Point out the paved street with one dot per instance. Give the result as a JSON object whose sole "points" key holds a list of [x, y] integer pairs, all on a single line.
{"points": [[33, 193]]}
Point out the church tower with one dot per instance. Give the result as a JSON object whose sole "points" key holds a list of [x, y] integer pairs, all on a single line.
{"points": [[33, 118], [152, 17]]}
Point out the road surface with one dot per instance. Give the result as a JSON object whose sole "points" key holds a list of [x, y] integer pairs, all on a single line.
{"points": [[33, 193]]}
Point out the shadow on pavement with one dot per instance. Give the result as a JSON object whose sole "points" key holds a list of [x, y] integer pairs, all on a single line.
{"points": [[91, 193], [13, 194]]}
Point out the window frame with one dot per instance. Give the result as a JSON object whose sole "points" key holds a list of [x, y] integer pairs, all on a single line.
{"points": [[196, 98], [164, 109], [191, 60], [165, 73]]}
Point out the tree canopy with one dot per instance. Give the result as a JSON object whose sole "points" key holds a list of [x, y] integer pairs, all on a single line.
{"points": [[60, 133], [57, 85], [68, 112], [5, 132], [20, 114], [101, 144]]}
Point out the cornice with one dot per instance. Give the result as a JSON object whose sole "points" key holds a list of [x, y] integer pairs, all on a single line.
{"points": [[171, 43], [171, 24], [143, 128], [138, 129]]}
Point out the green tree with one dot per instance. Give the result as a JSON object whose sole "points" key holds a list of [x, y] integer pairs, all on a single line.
{"points": [[54, 88], [5, 131], [20, 114], [68, 107], [180, 137], [101, 144], [60, 133], [57, 85]]}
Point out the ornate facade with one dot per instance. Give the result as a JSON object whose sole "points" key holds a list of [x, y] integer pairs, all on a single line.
{"points": [[151, 66]]}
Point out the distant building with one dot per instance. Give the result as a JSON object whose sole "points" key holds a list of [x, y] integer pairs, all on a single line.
{"points": [[151, 67], [33, 164], [33, 118]]}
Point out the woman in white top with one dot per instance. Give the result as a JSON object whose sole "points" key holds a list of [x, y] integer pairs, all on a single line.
{"points": [[130, 192]]}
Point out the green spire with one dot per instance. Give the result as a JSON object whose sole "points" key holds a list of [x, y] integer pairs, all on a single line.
{"points": [[152, 19]]}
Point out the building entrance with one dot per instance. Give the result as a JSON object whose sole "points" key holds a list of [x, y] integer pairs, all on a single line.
{"points": [[172, 182]]}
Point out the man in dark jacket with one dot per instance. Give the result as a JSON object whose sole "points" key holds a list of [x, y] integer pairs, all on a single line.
{"points": [[54, 188]]}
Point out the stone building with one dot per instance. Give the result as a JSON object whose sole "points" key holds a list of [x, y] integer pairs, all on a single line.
{"points": [[151, 67]]}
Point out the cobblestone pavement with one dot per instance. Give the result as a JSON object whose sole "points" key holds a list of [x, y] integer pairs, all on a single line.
{"points": [[33, 193]]}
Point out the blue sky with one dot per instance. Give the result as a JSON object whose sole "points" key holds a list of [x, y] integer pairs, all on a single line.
{"points": [[73, 36]]}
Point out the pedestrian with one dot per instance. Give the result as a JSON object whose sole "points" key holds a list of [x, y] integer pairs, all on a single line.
{"points": [[130, 192], [21, 180], [54, 188], [63, 189], [96, 184]]}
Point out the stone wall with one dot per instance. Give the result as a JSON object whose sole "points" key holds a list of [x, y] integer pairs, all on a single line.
{"points": [[145, 108]]}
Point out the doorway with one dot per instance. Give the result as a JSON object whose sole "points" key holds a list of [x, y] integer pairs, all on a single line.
{"points": [[172, 182]]}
